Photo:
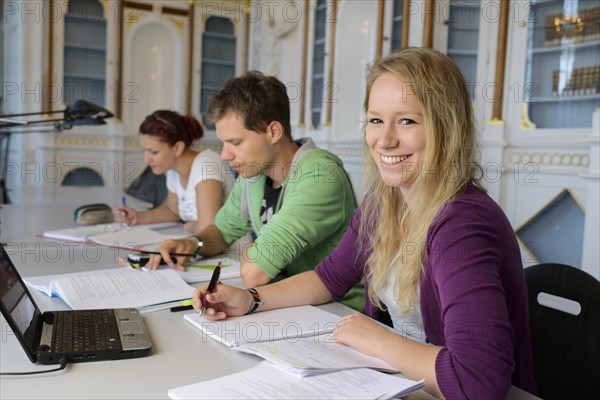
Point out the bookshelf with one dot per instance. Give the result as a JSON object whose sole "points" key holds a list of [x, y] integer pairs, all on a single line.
{"points": [[84, 57], [563, 63], [463, 38]]}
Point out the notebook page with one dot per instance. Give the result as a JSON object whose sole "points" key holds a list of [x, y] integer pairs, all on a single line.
{"points": [[313, 355], [119, 288], [83, 233], [291, 322], [132, 238], [264, 381]]}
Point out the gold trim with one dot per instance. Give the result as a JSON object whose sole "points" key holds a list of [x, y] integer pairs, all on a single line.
{"points": [[47, 101], [178, 23], [331, 64], [495, 121], [527, 250], [548, 203], [191, 22], [246, 55], [304, 64], [380, 23], [501, 59], [526, 123], [575, 160], [405, 23], [87, 142], [429, 19], [119, 92], [542, 209]]}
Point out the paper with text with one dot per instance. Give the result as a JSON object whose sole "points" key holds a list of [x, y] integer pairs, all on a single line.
{"points": [[114, 288], [313, 355], [84, 233], [284, 323], [263, 381]]}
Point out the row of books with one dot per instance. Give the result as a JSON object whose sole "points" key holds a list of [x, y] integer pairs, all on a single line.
{"points": [[581, 82], [582, 28]]}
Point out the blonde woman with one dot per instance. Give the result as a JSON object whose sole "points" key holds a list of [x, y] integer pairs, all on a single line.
{"points": [[441, 261]]}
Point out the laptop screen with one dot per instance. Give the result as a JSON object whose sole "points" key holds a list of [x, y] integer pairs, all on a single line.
{"points": [[14, 297]]}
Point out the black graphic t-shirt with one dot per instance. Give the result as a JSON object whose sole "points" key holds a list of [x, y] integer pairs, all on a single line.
{"points": [[269, 201]]}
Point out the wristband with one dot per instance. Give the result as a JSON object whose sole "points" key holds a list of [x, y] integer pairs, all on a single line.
{"points": [[256, 302], [199, 244]]}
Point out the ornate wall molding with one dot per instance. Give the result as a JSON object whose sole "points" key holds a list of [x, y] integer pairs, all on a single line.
{"points": [[552, 159]]}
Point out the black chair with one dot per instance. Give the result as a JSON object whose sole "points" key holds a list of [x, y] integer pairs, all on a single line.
{"points": [[566, 347], [149, 187], [82, 177]]}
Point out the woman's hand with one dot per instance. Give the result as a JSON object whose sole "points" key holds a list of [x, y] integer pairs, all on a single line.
{"points": [[361, 333], [129, 216], [225, 301]]}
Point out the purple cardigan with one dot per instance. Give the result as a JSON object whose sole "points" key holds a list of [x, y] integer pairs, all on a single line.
{"points": [[472, 293]]}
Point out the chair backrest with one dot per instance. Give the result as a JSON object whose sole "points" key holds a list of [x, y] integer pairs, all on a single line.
{"points": [[82, 176], [149, 187], [565, 333]]}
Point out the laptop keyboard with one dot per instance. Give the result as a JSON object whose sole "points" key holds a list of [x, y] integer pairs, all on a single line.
{"points": [[85, 331]]}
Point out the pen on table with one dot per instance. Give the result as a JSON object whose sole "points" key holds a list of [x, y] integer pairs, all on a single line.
{"points": [[212, 285], [185, 305]]}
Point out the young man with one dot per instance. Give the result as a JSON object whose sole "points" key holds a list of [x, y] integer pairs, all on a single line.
{"points": [[295, 199]]}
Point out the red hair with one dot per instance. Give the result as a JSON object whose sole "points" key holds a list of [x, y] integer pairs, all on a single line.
{"points": [[172, 127]]}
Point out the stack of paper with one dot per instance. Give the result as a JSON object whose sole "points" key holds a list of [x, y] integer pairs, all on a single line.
{"points": [[296, 339], [265, 381]]}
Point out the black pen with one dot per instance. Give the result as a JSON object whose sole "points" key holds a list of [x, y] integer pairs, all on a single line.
{"points": [[184, 305], [170, 254], [212, 285], [181, 308]]}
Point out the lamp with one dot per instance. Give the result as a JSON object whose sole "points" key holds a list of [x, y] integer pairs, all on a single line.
{"points": [[80, 113]]}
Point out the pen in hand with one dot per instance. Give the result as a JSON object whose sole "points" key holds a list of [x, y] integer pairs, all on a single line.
{"points": [[124, 202], [211, 286]]}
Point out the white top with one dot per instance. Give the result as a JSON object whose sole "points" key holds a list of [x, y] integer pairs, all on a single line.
{"points": [[409, 325], [206, 165]]}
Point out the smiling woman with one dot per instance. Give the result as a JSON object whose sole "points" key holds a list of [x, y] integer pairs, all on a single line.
{"points": [[198, 182], [395, 132], [439, 258]]}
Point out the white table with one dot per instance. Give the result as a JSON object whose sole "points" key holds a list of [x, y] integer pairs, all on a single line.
{"points": [[179, 357], [37, 209]]}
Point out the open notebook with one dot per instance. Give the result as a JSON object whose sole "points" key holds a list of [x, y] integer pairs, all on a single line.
{"points": [[117, 287], [297, 340]]}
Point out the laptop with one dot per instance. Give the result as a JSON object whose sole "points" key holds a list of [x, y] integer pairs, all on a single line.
{"points": [[81, 335]]}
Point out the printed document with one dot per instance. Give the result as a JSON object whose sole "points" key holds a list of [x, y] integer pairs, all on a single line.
{"points": [[113, 288], [263, 381]]}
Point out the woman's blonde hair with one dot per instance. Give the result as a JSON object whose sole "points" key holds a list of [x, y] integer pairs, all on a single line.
{"points": [[394, 230]]}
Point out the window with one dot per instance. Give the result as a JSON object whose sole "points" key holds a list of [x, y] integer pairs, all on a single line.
{"points": [[397, 24], [318, 64], [84, 52], [218, 58], [463, 38]]}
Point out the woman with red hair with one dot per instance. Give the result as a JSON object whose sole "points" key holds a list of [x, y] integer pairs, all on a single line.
{"points": [[198, 182]]}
